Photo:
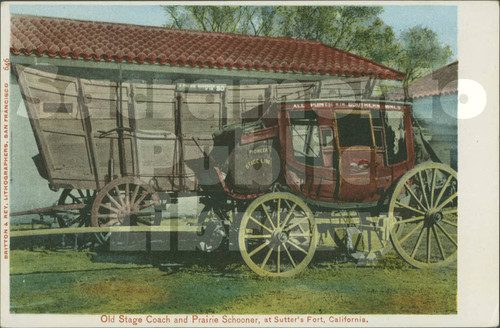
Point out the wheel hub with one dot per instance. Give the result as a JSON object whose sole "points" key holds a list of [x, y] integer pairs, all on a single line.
{"points": [[279, 237], [125, 214], [433, 217], [282, 236], [437, 217]]}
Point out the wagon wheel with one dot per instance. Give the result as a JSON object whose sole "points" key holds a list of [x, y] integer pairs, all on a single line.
{"points": [[277, 235], [77, 217], [126, 201], [213, 233], [423, 209]]}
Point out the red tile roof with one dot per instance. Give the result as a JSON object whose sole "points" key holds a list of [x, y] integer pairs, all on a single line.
{"points": [[100, 41], [440, 82]]}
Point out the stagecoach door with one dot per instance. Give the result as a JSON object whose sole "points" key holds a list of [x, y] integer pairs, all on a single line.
{"points": [[357, 155]]}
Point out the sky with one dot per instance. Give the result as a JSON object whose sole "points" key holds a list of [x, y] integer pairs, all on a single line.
{"points": [[442, 19]]}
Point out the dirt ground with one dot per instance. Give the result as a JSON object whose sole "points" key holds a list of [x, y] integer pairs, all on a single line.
{"points": [[65, 281]]}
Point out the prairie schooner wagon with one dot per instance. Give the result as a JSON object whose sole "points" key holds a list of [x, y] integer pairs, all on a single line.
{"points": [[275, 185]]}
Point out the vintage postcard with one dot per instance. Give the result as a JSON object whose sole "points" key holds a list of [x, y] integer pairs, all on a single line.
{"points": [[213, 164]]}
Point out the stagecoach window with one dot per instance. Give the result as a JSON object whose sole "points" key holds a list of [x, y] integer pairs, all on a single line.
{"points": [[379, 137], [326, 137], [376, 118], [395, 137], [305, 137], [354, 129]]}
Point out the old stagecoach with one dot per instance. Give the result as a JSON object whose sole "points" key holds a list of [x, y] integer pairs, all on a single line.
{"points": [[273, 185]]}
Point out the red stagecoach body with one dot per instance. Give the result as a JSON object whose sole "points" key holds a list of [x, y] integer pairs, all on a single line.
{"points": [[330, 152]]}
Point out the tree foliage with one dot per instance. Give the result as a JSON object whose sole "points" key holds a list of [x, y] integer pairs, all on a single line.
{"points": [[421, 53], [357, 29], [229, 19]]}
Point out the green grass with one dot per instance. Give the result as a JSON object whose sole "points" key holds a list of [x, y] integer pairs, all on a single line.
{"points": [[85, 282]]}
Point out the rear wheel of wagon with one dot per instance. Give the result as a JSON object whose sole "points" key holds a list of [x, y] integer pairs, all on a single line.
{"points": [[76, 217], [423, 211], [126, 201], [277, 235]]}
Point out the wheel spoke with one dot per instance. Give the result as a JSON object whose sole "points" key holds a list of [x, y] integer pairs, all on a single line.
{"points": [[424, 191], [417, 243], [267, 215], [450, 223], [296, 223], [113, 200], [258, 236], [452, 197], [134, 194], [112, 215], [127, 194], [441, 250], [402, 240], [290, 256], [443, 190], [305, 234], [278, 263], [279, 210], [413, 219], [118, 192], [255, 251], [109, 207], [289, 215], [410, 208], [148, 204], [447, 234], [266, 259], [74, 198], [428, 245], [80, 192], [414, 196], [450, 211], [297, 246], [263, 226], [144, 195], [301, 229], [433, 186]]}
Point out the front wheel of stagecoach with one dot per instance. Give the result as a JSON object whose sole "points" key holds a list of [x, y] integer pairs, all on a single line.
{"points": [[126, 201], [423, 211], [277, 235]]}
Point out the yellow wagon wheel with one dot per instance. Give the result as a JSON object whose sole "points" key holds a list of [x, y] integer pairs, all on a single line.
{"points": [[423, 211], [277, 235], [126, 201]]}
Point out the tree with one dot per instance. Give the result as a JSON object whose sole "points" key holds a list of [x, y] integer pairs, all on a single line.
{"points": [[230, 19], [421, 53], [260, 21], [357, 29], [206, 18]]}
